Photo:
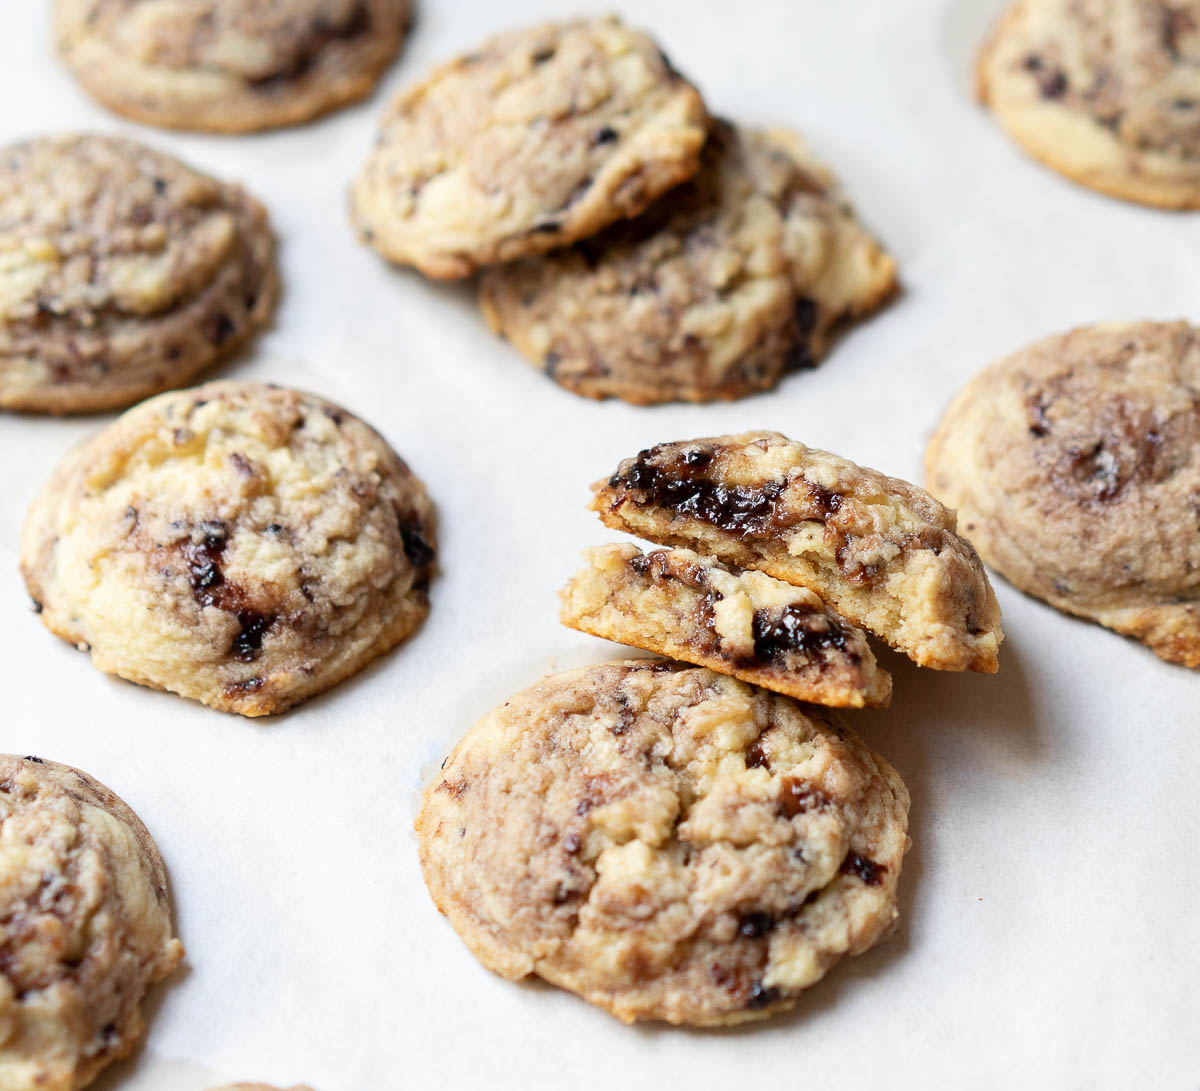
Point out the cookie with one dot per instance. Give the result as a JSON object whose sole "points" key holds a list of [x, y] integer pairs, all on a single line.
{"points": [[667, 842], [761, 630], [880, 551], [1106, 92], [123, 273], [717, 291], [240, 544], [537, 138], [229, 66], [85, 926], [1075, 468]]}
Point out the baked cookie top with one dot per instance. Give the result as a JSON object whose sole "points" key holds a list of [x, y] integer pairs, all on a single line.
{"points": [[881, 551], [719, 289], [1075, 468], [1105, 91], [537, 138], [122, 272], [240, 544], [85, 925], [666, 842], [229, 65], [759, 629]]}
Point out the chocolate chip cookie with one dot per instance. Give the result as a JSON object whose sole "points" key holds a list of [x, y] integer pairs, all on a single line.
{"points": [[535, 139], [881, 551], [722, 287], [759, 629], [1106, 92], [240, 544], [123, 272], [1075, 468], [229, 66], [85, 926], [666, 842]]}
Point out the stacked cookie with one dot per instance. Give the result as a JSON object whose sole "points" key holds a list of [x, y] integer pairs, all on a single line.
{"points": [[631, 246], [779, 556], [667, 837]]}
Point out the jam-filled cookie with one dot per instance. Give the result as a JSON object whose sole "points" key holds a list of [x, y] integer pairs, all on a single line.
{"points": [[85, 926], [1075, 468], [229, 66], [123, 273], [759, 629], [240, 544], [1106, 92], [667, 842], [717, 291], [535, 139], [880, 551]]}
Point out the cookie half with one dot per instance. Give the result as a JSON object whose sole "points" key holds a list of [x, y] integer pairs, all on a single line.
{"points": [[880, 551], [85, 925], [759, 629], [1106, 92], [1075, 468], [535, 139], [667, 842], [240, 544], [229, 66], [717, 291], [123, 273]]}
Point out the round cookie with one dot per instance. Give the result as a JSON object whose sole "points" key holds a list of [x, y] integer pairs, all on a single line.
{"points": [[229, 66], [667, 842], [716, 292], [240, 544], [537, 138], [1075, 468], [85, 926], [1106, 92], [123, 273]]}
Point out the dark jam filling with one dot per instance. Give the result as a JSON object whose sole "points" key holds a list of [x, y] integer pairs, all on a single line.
{"points": [[794, 629], [681, 486]]}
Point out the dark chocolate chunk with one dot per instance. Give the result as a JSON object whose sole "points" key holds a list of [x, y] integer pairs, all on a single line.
{"points": [[867, 870], [793, 629], [418, 551], [248, 641]]}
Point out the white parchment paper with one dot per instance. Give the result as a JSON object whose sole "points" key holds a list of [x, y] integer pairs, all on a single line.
{"points": [[1051, 933]]}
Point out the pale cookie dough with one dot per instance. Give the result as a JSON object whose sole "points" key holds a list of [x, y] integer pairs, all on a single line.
{"points": [[1106, 92], [85, 926], [666, 842], [123, 272], [717, 291], [759, 629], [229, 66], [1075, 468], [240, 544], [537, 138], [880, 551]]}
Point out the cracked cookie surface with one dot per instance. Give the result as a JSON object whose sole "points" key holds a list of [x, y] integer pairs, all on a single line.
{"points": [[228, 65], [881, 551], [240, 544], [717, 291], [761, 630], [123, 273], [1075, 468], [537, 138], [1106, 92], [85, 926], [666, 842]]}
